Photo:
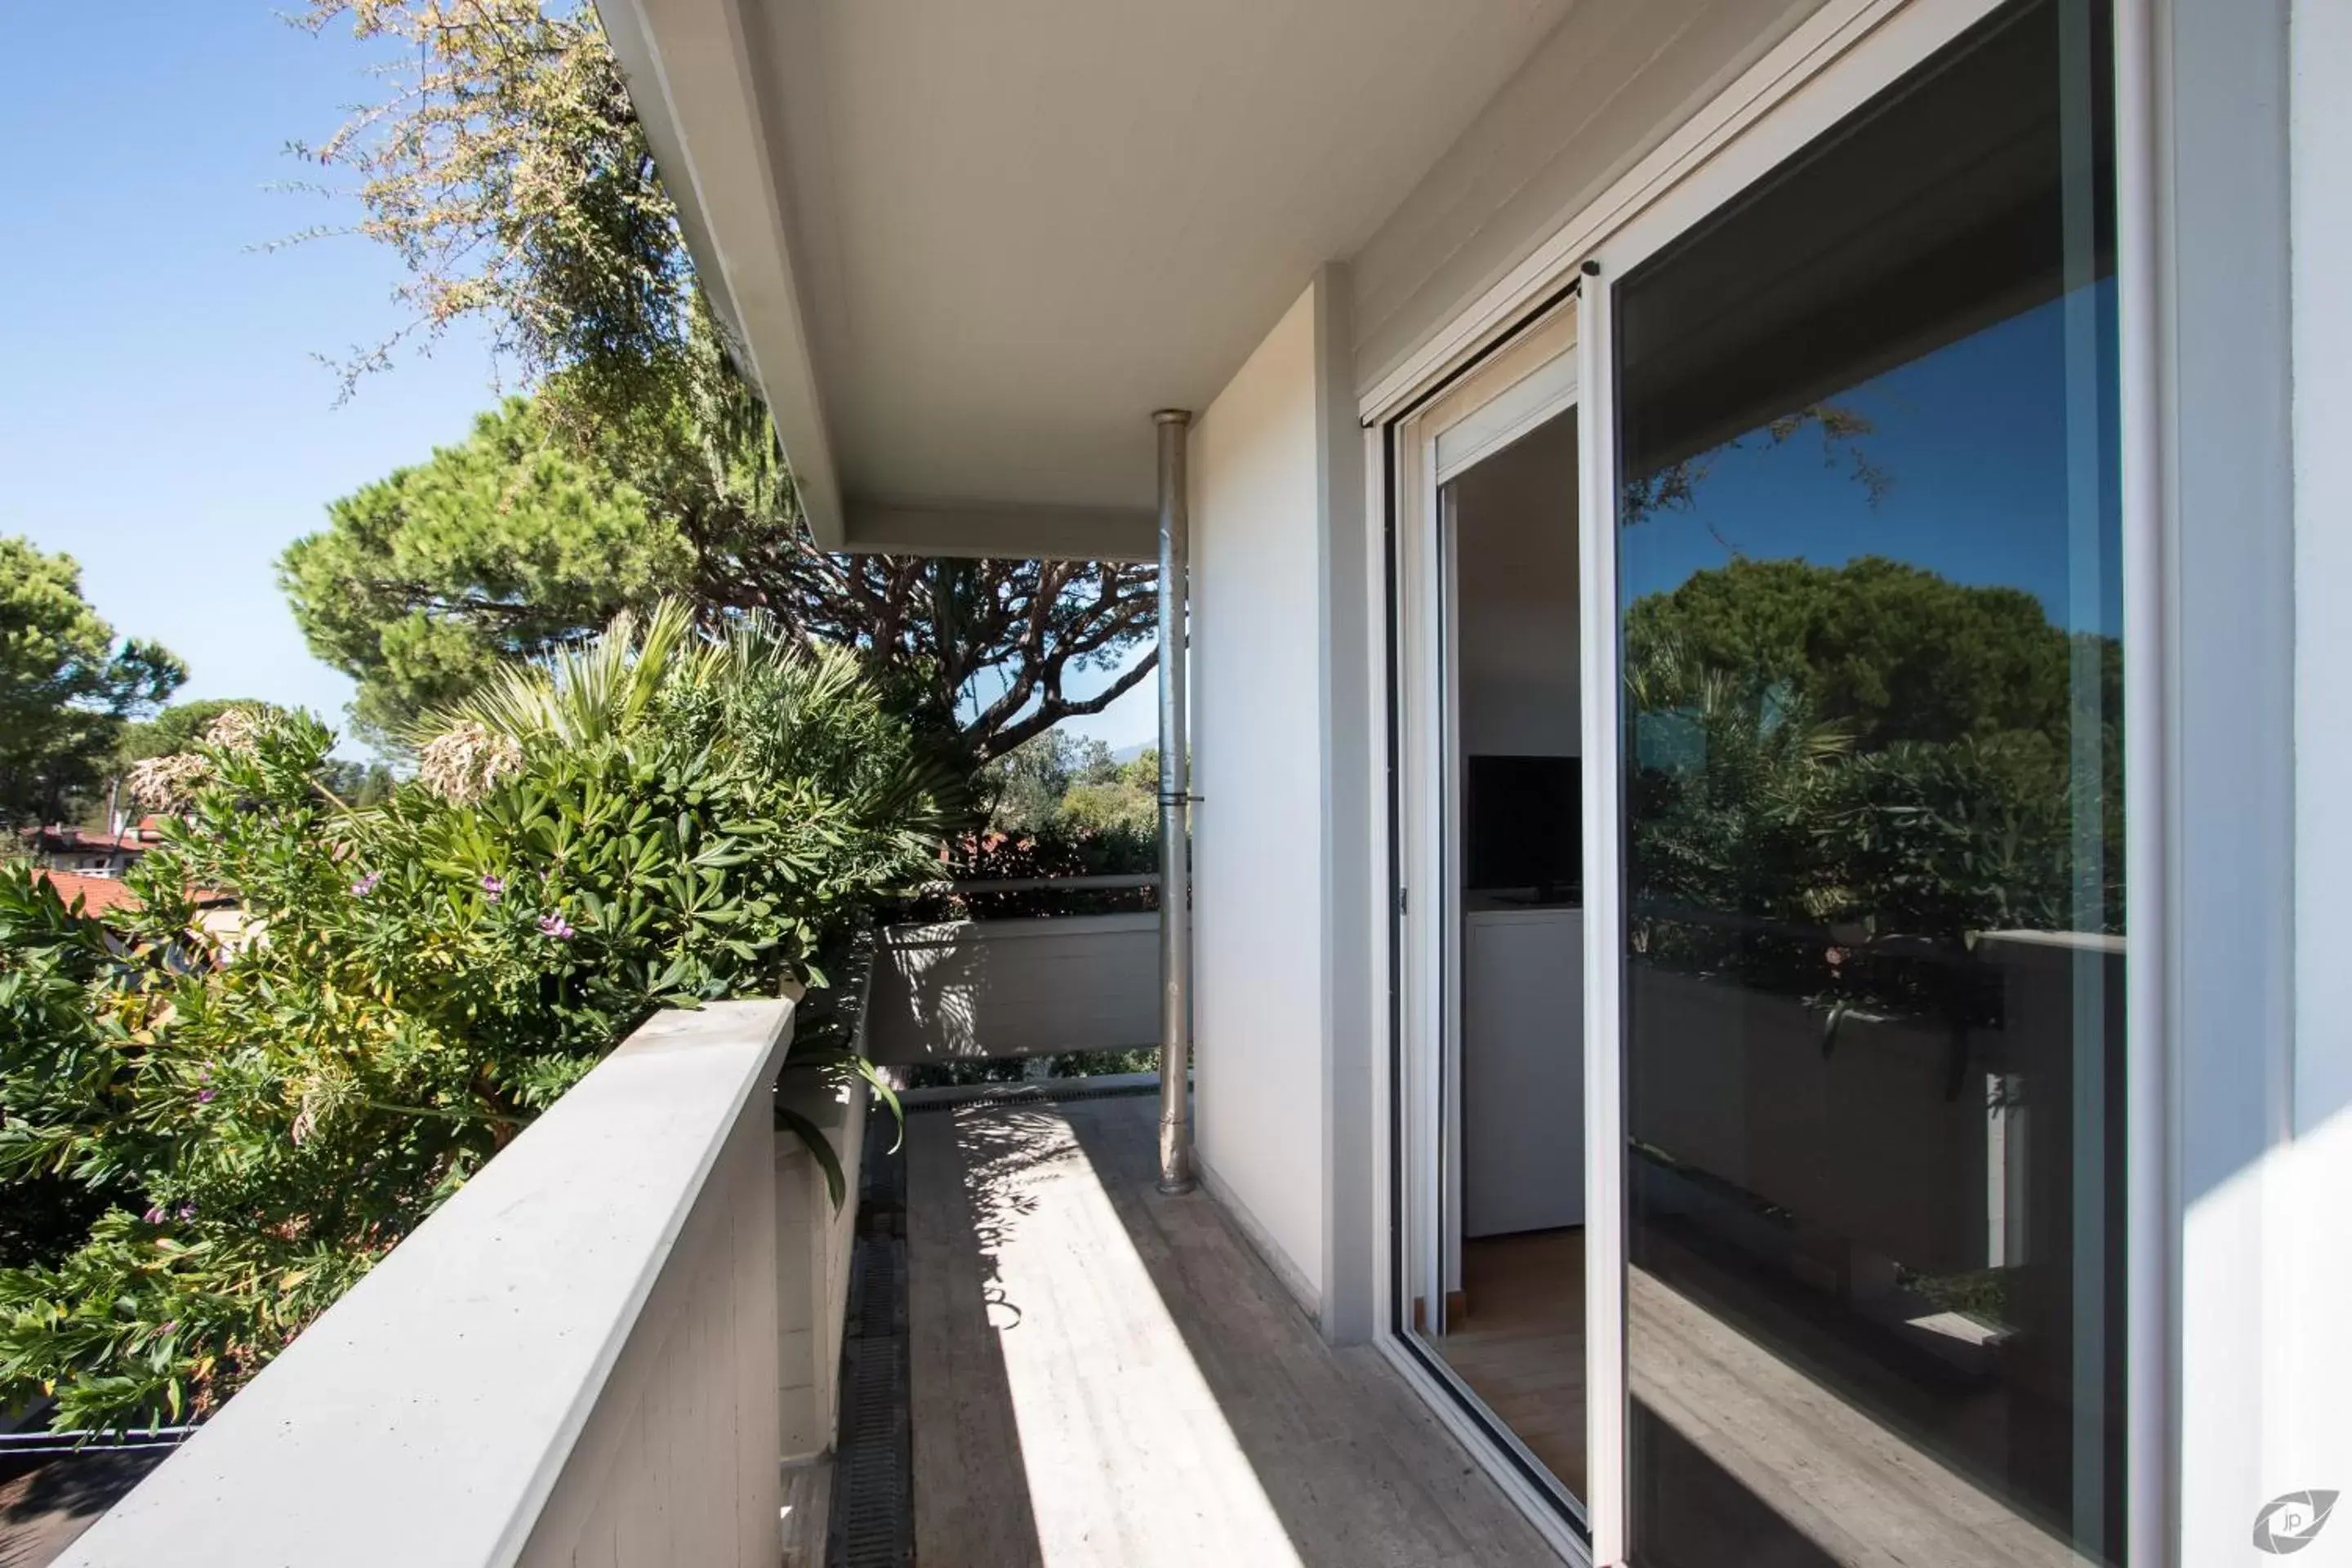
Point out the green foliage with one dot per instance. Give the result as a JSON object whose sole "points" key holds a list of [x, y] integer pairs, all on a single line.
{"points": [[1026, 786], [1124, 805], [67, 685], [1018, 1070], [748, 698], [506, 164], [1057, 780], [1889, 650], [541, 527], [1843, 774], [179, 727], [502, 548], [1058, 851], [1944, 841], [45, 1215], [355, 782], [1057, 806], [415, 982], [507, 168], [1732, 777]]}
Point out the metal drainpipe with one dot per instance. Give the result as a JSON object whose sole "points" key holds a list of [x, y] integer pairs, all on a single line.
{"points": [[1176, 1175]]}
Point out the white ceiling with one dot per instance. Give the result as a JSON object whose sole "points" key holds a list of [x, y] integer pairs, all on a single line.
{"points": [[973, 244]]}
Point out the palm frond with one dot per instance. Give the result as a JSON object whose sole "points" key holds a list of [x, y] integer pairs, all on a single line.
{"points": [[583, 695]]}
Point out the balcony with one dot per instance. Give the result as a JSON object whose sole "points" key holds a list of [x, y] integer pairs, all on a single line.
{"points": [[1100, 1373], [643, 1334]]}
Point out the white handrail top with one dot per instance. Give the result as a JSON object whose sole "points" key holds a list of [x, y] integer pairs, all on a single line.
{"points": [[426, 1416], [916, 935]]}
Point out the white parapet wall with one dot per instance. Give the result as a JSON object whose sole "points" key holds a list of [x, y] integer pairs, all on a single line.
{"points": [[814, 1237], [575, 1361], [960, 990]]}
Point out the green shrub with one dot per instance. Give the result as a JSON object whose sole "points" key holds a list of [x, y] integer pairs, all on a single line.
{"points": [[1058, 850], [682, 820]]}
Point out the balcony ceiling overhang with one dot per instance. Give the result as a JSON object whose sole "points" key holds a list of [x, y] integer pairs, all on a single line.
{"points": [[968, 248]]}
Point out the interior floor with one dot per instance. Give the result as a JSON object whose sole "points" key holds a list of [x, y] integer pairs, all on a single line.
{"points": [[1519, 1340]]}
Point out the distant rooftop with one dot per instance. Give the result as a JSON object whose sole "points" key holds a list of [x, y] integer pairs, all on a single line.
{"points": [[97, 895]]}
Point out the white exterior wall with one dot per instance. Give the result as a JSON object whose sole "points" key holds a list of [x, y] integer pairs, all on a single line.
{"points": [[1258, 849], [1611, 83], [2311, 1235], [2251, 222]]}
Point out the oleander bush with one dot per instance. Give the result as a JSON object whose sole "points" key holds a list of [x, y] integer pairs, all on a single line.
{"points": [[276, 1097]]}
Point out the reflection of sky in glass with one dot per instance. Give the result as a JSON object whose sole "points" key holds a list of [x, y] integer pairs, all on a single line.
{"points": [[1972, 440]]}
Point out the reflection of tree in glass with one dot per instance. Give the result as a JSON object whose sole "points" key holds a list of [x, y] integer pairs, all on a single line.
{"points": [[1892, 651], [1674, 487], [1842, 774]]}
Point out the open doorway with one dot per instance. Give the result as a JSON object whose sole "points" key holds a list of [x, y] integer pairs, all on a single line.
{"points": [[1504, 1074]]}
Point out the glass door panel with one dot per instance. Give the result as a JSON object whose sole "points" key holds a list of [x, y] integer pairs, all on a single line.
{"points": [[1868, 549], [1491, 1080]]}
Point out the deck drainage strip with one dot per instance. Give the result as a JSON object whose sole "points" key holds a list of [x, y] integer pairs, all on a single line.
{"points": [[872, 1522], [1053, 1090]]}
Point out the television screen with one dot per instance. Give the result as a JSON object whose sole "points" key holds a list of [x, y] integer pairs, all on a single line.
{"points": [[1522, 824]]}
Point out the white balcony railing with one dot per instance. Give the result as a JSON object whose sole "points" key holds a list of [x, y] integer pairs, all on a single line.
{"points": [[960, 990], [575, 1361]]}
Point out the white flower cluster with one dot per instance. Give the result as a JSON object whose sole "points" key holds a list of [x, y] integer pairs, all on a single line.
{"points": [[466, 764]]}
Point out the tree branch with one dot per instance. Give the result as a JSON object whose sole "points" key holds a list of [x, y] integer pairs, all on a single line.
{"points": [[1047, 714]]}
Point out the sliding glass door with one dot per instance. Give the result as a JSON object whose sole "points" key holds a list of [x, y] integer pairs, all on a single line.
{"points": [[1785, 558], [1492, 1280], [1870, 791]]}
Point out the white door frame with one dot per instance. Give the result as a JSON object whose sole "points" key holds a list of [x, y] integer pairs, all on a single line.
{"points": [[1605, 1413], [1533, 378], [1830, 64]]}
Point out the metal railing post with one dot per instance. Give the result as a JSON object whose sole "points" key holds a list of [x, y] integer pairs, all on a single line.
{"points": [[1176, 1173]]}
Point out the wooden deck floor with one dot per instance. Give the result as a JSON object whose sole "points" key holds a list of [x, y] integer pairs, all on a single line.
{"points": [[1104, 1376], [45, 1506], [1520, 1344]]}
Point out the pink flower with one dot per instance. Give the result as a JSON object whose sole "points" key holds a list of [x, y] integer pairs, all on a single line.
{"points": [[206, 1097], [185, 1211], [154, 1216], [366, 885], [1836, 955], [555, 926], [492, 887]]}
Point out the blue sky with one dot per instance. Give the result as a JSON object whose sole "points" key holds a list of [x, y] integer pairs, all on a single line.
{"points": [[163, 416], [1972, 439]]}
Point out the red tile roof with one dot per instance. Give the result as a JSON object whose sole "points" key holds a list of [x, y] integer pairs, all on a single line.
{"points": [[102, 895], [72, 838], [98, 894]]}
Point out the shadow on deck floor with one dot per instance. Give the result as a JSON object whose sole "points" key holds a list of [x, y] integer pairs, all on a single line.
{"points": [[45, 1504], [1103, 1374]]}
